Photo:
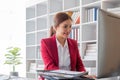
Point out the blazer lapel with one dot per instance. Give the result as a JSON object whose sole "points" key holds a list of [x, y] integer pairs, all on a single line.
{"points": [[55, 50], [71, 51]]}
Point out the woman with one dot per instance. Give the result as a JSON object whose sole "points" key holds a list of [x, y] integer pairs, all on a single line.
{"points": [[59, 51]]}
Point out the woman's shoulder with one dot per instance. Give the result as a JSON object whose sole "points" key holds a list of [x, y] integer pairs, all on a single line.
{"points": [[72, 41], [46, 39], [51, 38], [48, 42]]}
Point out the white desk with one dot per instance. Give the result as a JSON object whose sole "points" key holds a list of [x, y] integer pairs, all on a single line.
{"points": [[6, 77]]}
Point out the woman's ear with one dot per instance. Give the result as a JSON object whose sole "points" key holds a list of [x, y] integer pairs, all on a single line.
{"points": [[54, 28]]}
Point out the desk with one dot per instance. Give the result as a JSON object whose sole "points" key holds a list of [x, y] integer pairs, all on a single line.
{"points": [[7, 77], [111, 78]]}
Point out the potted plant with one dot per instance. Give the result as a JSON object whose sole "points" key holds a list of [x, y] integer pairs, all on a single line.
{"points": [[13, 58]]}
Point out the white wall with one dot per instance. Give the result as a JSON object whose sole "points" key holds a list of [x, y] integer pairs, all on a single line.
{"points": [[12, 31]]}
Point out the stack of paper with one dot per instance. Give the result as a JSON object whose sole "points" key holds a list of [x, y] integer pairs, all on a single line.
{"points": [[61, 73]]}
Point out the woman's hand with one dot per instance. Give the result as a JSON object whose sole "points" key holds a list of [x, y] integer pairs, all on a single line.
{"points": [[90, 76]]}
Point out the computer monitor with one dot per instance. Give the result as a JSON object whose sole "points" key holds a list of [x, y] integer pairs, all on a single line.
{"points": [[108, 58]]}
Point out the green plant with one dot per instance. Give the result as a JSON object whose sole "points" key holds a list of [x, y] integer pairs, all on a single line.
{"points": [[13, 57]]}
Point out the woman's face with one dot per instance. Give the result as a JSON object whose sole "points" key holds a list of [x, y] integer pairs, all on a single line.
{"points": [[64, 29]]}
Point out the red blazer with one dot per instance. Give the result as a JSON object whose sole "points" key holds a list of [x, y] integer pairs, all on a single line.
{"points": [[49, 54]]}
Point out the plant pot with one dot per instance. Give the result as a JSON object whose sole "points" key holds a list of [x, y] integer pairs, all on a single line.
{"points": [[13, 73]]}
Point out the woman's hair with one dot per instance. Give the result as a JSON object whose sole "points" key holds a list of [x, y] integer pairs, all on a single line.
{"points": [[58, 19]]}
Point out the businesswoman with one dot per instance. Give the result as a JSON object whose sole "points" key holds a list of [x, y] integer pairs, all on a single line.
{"points": [[58, 51]]}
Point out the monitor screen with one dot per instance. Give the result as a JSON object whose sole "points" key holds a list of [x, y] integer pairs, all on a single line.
{"points": [[108, 58]]}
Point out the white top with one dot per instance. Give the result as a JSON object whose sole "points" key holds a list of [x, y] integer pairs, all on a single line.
{"points": [[63, 56]]}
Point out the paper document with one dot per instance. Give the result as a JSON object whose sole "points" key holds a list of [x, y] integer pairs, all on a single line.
{"points": [[66, 72], [62, 73]]}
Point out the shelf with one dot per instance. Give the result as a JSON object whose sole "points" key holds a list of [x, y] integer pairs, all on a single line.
{"points": [[31, 32], [94, 4], [55, 6], [39, 62], [93, 23], [39, 59], [30, 19], [30, 12], [42, 23], [41, 35], [30, 26], [30, 59], [89, 63], [89, 41], [31, 45], [76, 26], [71, 4], [88, 33], [30, 39], [30, 3], [51, 21], [41, 9], [72, 9], [42, 16], [86, 2], [90, 15], [42, 30], [88, 60]]}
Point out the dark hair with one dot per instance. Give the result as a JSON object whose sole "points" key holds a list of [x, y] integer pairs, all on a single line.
{"points": [[59, 18]]}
